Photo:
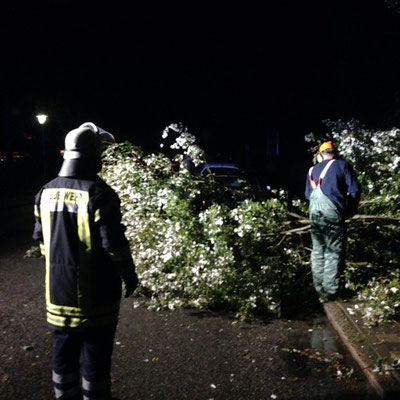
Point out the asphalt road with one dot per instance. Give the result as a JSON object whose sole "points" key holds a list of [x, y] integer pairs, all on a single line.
{"points": [[169, 355]]}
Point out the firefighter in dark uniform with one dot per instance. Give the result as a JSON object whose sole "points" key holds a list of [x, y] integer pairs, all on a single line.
{"points": [[334, 194], [78, 222]]}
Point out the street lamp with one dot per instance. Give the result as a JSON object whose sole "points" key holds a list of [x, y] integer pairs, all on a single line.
{"points": [[42, 118]]}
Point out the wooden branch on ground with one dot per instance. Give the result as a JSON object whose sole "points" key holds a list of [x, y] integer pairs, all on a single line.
{"points": [[358, 217], [358, 264], [300, 218], [298, 231], [364, 217]]}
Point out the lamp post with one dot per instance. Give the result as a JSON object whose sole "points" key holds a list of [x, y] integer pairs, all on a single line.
{"points": [[42, 118]]}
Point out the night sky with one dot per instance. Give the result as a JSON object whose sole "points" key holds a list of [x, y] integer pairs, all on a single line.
{"points": [[229, 73]]}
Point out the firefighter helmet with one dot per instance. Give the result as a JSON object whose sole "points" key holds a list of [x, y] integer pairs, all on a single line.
{"points": [[83, 148], [86, 141]]}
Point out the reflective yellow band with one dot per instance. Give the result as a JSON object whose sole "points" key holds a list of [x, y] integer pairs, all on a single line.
{"points": [[84, 279], [36, 211], [71, 322], [78, 312], [46, 223], [42, 249], [97, 216], [64, 321]]}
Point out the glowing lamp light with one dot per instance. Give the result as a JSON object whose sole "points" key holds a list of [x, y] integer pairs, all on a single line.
{"points": [[41, 118]]}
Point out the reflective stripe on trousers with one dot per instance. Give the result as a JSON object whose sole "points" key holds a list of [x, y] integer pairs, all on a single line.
{"points": [[96, 390], [89, 351], [328, 236], [67, 386]]}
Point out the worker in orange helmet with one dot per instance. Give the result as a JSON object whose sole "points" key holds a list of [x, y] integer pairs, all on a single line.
{"points": [[334, 193]]}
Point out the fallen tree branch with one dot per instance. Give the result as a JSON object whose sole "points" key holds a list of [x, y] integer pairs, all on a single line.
{"points": [[358, 217], [300, 218], [358, 264], [364, 217], [298, 231]]}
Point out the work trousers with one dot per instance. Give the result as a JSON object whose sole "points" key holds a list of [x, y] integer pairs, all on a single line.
{"points": [[81, 363], [328, 244]]}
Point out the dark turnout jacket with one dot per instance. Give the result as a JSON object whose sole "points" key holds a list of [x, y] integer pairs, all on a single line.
{"points": [[78, 222]]}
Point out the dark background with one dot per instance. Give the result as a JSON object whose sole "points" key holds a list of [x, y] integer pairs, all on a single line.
{"points": [[243, 78]]}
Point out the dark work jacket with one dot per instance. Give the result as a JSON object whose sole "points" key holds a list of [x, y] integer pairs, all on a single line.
{"points": [[78, 222], [340, 184]]}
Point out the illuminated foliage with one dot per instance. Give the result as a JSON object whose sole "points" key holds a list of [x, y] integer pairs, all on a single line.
{"points": [[197, 244], [373, 257], [194, 242]]}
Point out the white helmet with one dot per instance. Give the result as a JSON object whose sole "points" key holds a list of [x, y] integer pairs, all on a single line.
{"points": [[86, 141]]}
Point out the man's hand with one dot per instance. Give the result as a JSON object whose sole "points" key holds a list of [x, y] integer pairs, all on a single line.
{"points": [[131, 282]]}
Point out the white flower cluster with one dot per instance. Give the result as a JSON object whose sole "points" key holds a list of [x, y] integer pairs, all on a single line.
{"points": [[380, 300], [184, 142], [190, 256], [375, 157]]}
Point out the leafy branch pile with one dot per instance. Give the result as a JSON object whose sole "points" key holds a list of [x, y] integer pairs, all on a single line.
{"points": [[198, 244], [373, 256]]}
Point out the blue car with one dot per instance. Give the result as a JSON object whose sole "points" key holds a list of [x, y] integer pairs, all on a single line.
{"points": [[228, 174]]}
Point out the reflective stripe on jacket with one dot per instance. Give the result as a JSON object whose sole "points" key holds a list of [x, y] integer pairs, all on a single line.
{"points": [[79, 223]]}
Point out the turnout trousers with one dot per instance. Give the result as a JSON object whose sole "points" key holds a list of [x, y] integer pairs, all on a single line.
{"points": [[328, 243], [81, 363]]}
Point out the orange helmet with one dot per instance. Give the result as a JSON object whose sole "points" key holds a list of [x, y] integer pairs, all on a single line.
{"points": [[326, 146]]}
